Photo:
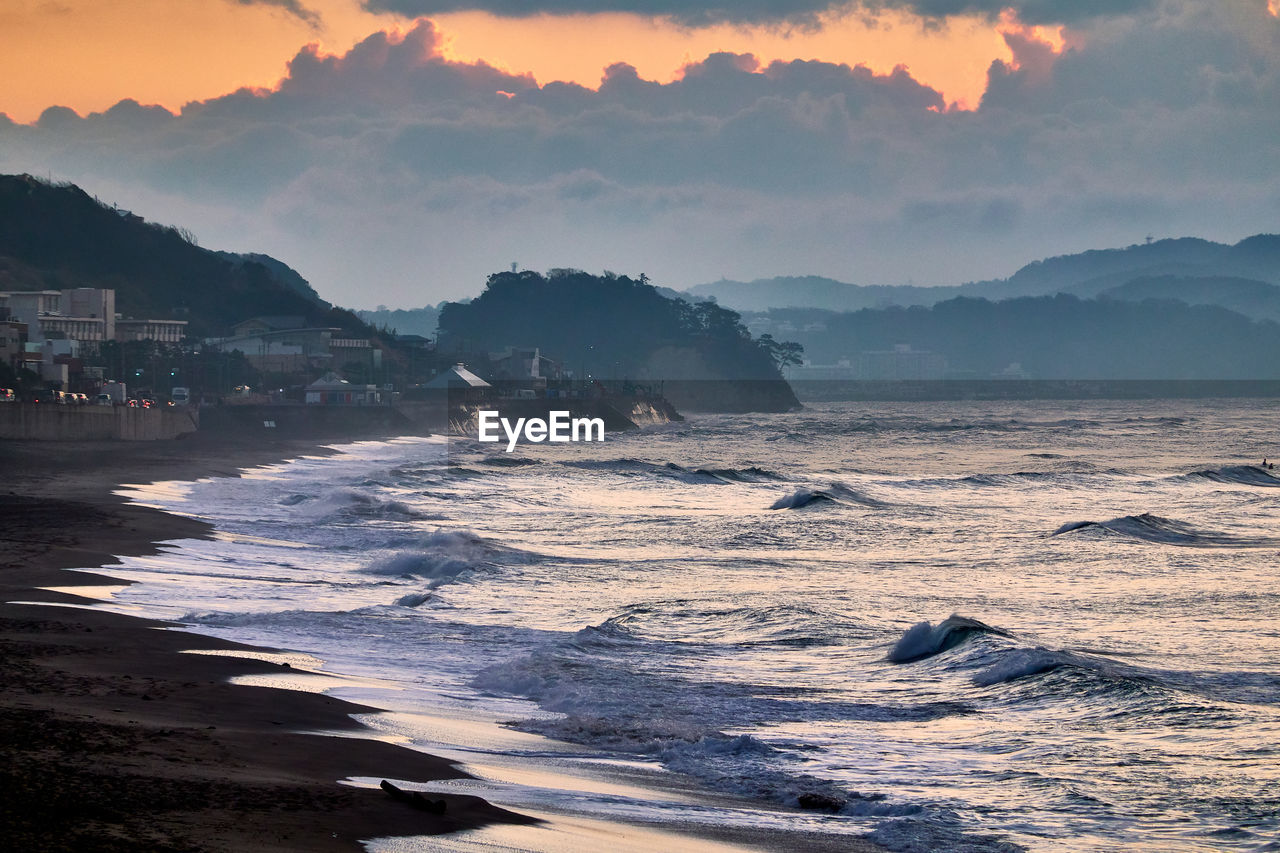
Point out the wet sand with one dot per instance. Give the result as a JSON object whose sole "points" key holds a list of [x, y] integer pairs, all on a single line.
{"points": [[110, 739]]}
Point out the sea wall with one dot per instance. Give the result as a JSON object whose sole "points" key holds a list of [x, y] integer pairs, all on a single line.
{"points": [[45, 422], [51, 422], [303, 421], [462, 417]]}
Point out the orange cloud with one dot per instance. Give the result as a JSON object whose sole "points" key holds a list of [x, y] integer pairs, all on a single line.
{"points": [[952, 57], [88, 55], [1034, 49]]}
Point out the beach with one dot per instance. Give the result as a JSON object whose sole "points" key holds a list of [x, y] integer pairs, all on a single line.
{"points": [[112, 739], [829, 630], [117, 737]]}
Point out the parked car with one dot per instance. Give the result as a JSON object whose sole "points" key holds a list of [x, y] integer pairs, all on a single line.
{"points": [[7, 396]]}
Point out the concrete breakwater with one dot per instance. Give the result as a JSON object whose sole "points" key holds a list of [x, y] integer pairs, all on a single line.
{"points": [[51, 422], [44, 422], [618, 413], [422, 417]]}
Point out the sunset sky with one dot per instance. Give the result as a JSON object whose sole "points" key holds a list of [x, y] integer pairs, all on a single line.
{"points": [[397, 151]]}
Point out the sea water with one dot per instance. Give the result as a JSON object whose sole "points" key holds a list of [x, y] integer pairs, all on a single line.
{"points": [[950, 626]]}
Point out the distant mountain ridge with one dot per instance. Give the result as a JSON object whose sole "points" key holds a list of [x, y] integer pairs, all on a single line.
{"points": [[1090, 273], [404, 321], [812, 291], [55, 236], [1041, 337], [1084, 274], [1259, 300]]}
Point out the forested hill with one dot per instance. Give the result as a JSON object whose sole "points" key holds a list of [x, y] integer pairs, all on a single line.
{"points": [[1092, 272], [1185, 265], [1050, 337], [611, 327], [55, 236]]}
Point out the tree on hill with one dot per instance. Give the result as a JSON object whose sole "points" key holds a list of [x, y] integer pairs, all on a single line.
{"points": [[606, 326], [57, 236]]}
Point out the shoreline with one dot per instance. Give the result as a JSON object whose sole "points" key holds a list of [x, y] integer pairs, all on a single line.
{"points": [[114, 740]]}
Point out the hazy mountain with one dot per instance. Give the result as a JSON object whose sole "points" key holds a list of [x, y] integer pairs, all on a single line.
{"points": [[1085, 274], [1090, 273], [1252, 298], [404, 321], [1051, 337], [55, 236], [813, 291]]}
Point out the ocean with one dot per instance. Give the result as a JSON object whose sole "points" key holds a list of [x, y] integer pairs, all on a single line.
{"points": [[1050, 626]]}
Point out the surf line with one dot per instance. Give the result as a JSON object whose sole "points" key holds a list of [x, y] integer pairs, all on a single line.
{"points": [[558, 427]]}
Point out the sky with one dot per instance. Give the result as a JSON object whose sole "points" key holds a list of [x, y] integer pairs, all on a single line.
{"points": [[397, 152]]}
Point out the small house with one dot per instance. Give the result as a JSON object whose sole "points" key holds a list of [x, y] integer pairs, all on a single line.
{"points": [[332, 390]]}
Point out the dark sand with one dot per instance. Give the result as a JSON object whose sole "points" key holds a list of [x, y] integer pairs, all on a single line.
{"points": [[112, 740]]}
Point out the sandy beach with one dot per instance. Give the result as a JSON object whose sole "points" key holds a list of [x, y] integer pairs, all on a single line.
{"points": [[112, 739]]}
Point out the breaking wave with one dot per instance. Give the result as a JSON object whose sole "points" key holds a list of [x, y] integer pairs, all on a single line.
{"points": [[925, 639], [444, 555], [348, 501], [1021, 663], [505, 461], [628, 466], [1163, 531], [413, 599], [752, 474], [1243, 475], [835, 494]]}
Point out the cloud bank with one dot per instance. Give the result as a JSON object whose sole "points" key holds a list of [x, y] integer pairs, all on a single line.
{"points": [[392, 175], [708, 12]]}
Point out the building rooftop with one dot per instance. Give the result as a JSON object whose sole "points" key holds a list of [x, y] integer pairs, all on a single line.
{"points": [[457, 377]]}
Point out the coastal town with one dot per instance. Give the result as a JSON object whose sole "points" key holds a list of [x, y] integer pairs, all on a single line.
{"points": [[121, 328], [84, 370]]}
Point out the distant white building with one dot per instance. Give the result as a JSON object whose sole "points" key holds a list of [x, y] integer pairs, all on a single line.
{"points": [[901, 362], [81, 313], [164, 331], [86, 314]]}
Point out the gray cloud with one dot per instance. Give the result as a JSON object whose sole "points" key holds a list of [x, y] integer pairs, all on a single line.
{"points": [[1189, 54], [799, 12], [390, 174], [1028, 11], [293, 7]]}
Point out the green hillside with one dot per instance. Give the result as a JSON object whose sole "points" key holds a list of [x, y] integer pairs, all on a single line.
{"points": [[55, 236]]}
